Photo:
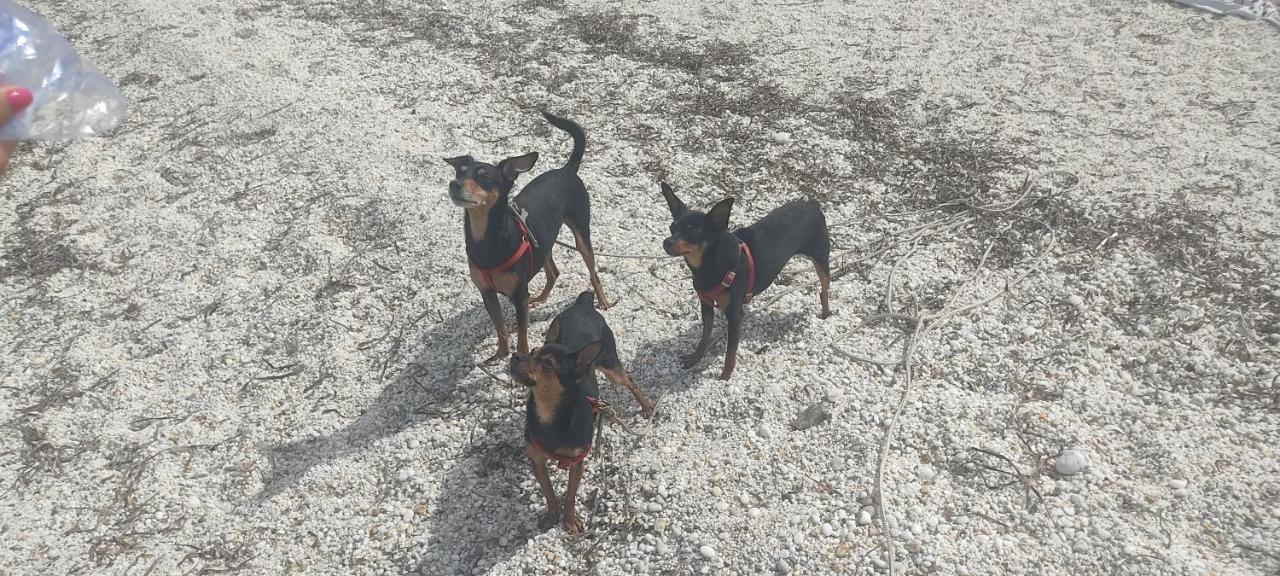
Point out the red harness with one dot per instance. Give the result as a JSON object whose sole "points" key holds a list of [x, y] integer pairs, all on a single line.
{"points": [[526, 245], [566, 462], [709, 296]]}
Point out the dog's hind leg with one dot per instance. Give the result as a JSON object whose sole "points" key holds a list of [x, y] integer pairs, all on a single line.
{"points": [[613, 370], [820, 253], [581, 227], [824, 278]]}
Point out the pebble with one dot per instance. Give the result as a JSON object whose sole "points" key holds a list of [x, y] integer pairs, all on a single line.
{"points": [[781, 138], [864, 517], [1178, 483], [193, 502], [812, 416], [782, 567], [755, 512], [1080, 546], [654, 507], [1075, 300], [1028, 332], [1181, 493], [763, 431], [837, 463], [707, 551], [662, 548], [927, 473], [1070, 463]]}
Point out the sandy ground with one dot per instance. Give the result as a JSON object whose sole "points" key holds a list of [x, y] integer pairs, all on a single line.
{"points": [[238, 336]]}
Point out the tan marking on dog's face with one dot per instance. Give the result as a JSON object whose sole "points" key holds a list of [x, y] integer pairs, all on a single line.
{"points": [[504, 282], [482, 200], [692, 253], [539, 369]]}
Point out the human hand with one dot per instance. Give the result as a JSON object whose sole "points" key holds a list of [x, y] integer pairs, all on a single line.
{"points": [[15, 100]]}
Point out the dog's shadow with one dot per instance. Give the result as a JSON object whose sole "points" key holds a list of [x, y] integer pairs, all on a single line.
{"points": [[422, 390], [479, 518], [655, 365]]}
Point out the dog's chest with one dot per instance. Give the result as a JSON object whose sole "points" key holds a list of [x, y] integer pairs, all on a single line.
{"points": [[504, 282]]}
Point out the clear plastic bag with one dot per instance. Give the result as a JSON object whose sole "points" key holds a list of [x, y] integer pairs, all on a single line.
{"points": [[71, 98]]}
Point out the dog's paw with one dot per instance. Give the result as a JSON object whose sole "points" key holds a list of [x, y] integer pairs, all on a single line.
{"points": [[498, 356], [572, 523], [549, 519]]}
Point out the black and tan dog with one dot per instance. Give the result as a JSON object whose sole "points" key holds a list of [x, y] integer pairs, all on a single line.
{"points": [[507, 248], [731, 267], [563, 402]]}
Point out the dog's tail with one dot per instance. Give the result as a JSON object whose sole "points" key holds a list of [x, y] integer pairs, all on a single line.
{"points": [[588, 298], [579, 139]]}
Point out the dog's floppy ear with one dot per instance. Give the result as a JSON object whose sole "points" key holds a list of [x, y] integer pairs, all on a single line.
{"points": [[720, 213], [460, 161], [512, 167], [674, 204], [553, 331], [588, 354]]}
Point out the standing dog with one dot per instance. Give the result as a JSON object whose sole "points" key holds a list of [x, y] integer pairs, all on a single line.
{"points": [[506, 248], [731, 267], [563, 402]]}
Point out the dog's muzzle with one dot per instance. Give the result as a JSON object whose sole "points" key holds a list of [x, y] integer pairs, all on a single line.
{"points": [[515, 367], [458, 197]]}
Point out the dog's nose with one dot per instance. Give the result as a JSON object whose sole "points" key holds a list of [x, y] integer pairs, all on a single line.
{"points": [[669, 245]]}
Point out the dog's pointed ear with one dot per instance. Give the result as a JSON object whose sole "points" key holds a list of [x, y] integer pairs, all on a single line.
{"points": [[460, 161], [588, 355], [553, 331], [512, 167], [674, 204], [720, 213]]}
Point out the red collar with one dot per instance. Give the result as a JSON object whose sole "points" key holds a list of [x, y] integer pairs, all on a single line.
{"points": [[709, 296], [566, 462], [526, 244]]}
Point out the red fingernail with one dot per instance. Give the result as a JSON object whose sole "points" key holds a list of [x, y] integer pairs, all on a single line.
{"points": [[18, 99]]}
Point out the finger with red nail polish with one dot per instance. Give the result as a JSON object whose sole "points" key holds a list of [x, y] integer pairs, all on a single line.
{"points": [[15, 100]]}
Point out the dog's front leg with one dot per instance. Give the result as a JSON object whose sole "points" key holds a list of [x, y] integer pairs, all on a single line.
{"points": [[494, 308], [521, 302], [734, 314], [539, 459], [572, 523], [708, 321]]}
